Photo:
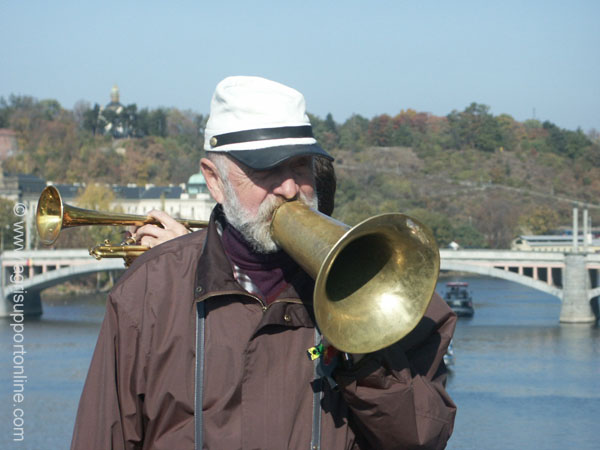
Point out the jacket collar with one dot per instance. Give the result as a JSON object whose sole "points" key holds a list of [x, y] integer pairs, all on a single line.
{"points": [[214, 274]]}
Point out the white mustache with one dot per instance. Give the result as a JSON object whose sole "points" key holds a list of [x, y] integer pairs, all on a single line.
{"points": [[257, 228]]}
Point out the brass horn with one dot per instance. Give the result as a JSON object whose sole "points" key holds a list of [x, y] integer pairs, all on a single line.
{"points": [[53, 215], [373, 282]]}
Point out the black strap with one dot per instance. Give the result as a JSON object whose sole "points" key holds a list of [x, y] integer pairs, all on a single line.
{"points": [[199, 376], [315, 441], [261, 134]]}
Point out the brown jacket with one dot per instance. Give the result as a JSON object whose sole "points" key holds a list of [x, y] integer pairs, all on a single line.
{"points": [[258, 389]]}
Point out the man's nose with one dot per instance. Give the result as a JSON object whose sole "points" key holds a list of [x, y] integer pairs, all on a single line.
{"points": [[288, 188]]}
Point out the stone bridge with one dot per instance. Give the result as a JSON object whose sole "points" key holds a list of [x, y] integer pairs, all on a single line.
{"points": [[26, 273], [572, 277]]}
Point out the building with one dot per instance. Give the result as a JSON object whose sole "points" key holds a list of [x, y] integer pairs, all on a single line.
{"points": [[186, 201], [114, 118], [20, 187], [554, 243], [25, 190]]}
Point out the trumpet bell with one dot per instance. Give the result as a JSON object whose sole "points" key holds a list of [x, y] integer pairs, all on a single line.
{"points": [[49, 215], [373, 282]]}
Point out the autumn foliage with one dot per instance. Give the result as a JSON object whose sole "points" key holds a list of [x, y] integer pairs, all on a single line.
{"points": [[474, 177]]}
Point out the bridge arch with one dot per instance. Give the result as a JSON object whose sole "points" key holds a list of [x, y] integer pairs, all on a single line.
{"points": [[504, 274], [50, 278]]}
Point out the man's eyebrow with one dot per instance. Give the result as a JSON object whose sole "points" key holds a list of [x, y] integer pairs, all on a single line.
{"points": [[247, 169]]}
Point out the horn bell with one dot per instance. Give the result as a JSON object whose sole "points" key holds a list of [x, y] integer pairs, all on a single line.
{"points": [[373, 282]]}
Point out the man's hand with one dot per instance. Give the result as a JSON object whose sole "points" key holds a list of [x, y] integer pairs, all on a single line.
{"points": [[152, 235]]}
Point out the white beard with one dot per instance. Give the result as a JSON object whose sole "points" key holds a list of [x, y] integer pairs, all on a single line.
{"points": [[256, 228]]}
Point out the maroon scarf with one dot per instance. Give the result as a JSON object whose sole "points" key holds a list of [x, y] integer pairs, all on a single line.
{"points": [[270, 272]]}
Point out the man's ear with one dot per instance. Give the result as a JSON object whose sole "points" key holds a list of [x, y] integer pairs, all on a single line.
{"points": [[213, 179]]}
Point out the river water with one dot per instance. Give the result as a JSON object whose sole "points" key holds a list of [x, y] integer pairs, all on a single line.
{"points": [[521, 380]]}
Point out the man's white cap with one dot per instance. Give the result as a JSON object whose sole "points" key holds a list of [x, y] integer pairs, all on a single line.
{"points": [[259, 122]]}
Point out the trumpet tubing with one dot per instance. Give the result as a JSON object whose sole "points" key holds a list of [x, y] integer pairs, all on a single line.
{"points": [[53, 215]]}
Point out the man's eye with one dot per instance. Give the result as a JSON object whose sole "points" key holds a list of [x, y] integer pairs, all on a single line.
{"points": [[259, 174], [301, 165]]}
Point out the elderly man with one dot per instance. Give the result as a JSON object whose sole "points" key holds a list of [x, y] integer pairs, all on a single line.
{"points": [[204, 343]]}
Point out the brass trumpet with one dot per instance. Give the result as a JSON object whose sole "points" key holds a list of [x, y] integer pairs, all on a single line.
{"points": [[53, 215], [373, 282]]}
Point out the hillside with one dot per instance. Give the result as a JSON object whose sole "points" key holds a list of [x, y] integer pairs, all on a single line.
{"points": [[475, 178], [475, 198]]}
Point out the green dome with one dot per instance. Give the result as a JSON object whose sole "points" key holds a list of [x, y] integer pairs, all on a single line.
{"points": [[196, 184], [197, 178]]}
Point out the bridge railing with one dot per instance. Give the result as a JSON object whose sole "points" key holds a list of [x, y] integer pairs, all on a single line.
{"points": [[35, 262]]}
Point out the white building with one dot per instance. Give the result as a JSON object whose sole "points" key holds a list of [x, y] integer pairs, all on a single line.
{"points": [[553, 243], [185, 201]]}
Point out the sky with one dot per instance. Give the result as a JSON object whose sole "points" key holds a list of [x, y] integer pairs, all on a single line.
{"points": [[529, 59]]}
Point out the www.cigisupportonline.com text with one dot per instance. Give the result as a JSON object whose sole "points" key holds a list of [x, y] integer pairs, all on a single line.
{"points": [[17, 324]]}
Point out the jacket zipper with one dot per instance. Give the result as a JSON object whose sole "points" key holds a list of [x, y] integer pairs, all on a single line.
{"points": [[244, 293], [262, 304]]}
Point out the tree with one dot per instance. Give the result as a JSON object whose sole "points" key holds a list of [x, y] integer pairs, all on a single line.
{"points": [[4, 113], [402, 129], [79, 111], [571, 144], [94, 197], [591, 154], [509, 129], [325, 131], [380, 131], [542, 220], [577, 143], [152, 123], [7, 221], [90, 120], [407, 126], [496, 218], [50, 109], [157, 123], [467, 236], [446, 230], [475, 127], [330, 124], [185, 124], [353, 133], [438, 222], [556, 138]]}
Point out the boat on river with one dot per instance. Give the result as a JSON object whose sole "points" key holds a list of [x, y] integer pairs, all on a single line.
{"points": [[449, 356], [458, 297]]}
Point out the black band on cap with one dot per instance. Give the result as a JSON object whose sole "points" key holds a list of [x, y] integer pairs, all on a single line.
{"points": [[261, 134]]}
